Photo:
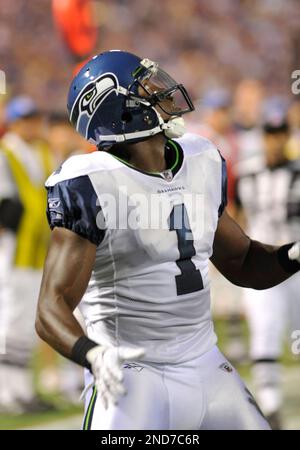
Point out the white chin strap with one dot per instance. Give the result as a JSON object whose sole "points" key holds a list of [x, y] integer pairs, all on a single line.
{"points": [[174, 128]]}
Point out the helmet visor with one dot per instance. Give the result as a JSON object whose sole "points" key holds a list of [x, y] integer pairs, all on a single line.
{"points": [[161, 89]]}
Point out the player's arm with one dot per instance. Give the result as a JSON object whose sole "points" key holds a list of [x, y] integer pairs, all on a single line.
{"points": [[250, 263], [67, 271], [66, 274], [72, 214]]}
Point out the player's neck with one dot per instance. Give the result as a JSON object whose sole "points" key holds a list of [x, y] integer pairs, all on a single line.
{"points": [[148, 155]]}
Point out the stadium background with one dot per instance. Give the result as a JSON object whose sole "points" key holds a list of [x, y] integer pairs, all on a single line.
{"points": [[205, 45]]}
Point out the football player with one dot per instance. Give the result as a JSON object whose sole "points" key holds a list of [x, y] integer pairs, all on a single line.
{"points": [[134, 226]]}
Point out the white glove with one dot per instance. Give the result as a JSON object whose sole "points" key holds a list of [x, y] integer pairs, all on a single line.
{"points": [[294, 252], [106, 363]]}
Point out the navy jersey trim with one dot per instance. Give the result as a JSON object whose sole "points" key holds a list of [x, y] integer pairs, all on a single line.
{"points": [[73, 204]]}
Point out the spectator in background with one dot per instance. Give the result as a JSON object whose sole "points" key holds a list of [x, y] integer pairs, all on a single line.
{"points": [[63, 139], [247, 103], [25, 163], [268, 191]]}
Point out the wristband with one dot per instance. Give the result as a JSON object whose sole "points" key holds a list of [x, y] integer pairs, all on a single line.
{"points": [[289, 265], [80, 349]]}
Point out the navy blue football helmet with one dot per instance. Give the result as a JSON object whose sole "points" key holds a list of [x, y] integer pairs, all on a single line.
{"points": [[118, 97]]}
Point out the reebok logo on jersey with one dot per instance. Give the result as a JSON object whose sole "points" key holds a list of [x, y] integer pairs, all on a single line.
{"points": [[133, 366], [54, 203], [226, 367]]}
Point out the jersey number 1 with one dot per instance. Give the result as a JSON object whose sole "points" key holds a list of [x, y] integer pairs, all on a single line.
{"points": [[190, 279]]}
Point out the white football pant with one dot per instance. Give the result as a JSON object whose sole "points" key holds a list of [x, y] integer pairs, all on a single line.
{"points": [[206, 393]]}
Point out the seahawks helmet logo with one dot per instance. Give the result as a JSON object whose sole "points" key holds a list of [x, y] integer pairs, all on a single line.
{"points": [[90, 98]]}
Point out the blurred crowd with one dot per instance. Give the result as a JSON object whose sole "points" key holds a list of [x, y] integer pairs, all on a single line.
{"points": [[235, 56], [205, 43]]}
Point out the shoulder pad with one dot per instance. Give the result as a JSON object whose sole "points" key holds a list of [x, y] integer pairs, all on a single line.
{"points": [[79, 165], [194, 144]]}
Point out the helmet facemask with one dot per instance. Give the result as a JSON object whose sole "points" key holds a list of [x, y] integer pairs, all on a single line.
{"points": [[160, 89], [169, 99]]}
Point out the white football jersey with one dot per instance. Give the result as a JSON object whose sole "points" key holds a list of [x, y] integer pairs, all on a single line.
{"points": [[154, 234]]}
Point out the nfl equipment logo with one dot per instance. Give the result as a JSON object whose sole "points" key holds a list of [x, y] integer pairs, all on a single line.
{"points": [[168, 175]]}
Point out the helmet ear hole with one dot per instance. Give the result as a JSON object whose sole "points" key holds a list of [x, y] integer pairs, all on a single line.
{"points": [[126, 117]]}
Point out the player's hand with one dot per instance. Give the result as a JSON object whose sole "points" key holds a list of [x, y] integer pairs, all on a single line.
{"points": [[294, 252], [106, 363]]}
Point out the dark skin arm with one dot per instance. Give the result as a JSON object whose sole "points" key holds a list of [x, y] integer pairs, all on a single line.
{"points": [[67, 271], [245, 262]]}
